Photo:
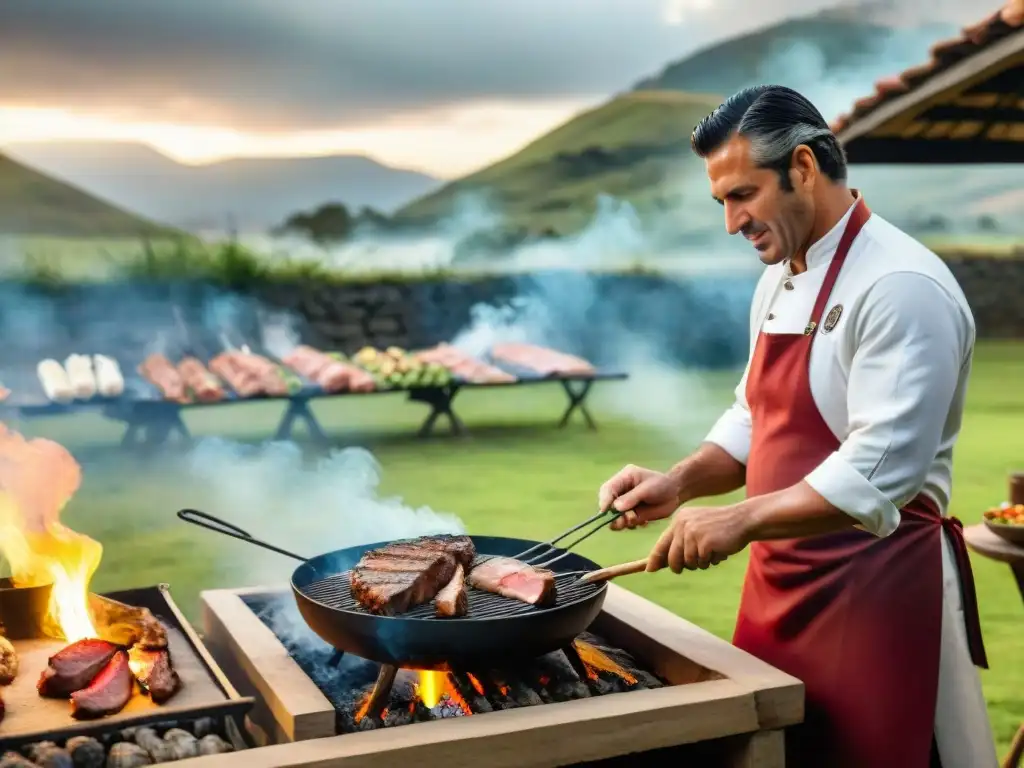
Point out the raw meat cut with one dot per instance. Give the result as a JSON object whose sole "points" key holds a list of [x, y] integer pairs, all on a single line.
{"points": [[515, 579]]}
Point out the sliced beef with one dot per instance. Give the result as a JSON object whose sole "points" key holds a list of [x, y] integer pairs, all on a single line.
{"points": [[390, 584], [155, 674], [452, 600], [514, 579], [8, 662], [107, 693], [74, 667]]}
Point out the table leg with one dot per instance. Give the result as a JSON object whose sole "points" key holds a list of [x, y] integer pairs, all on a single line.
{"points": [[1013, 757], [440, 401], [145, 432], [763, 749], [577, 396], [299, 410]]}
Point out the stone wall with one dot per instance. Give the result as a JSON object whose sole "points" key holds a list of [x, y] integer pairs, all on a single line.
{"points": [[611, 319], [606, 318], [994, 286]]}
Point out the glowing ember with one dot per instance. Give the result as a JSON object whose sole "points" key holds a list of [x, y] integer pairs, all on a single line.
{"points": [[596, 661], [431, 686], [37, 478], [477, 685]]}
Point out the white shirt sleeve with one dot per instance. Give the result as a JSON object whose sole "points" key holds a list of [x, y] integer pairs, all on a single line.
{"points": [[732, 431], [910, 340]]}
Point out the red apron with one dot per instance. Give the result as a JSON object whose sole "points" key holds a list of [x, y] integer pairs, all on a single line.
{"points": [[857, 618]]}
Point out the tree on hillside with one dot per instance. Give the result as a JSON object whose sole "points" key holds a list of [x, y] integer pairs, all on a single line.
{"points": [[332, 223], [328, 223]]}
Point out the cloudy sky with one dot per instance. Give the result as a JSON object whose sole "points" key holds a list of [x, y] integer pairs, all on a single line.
{"points": [[438, 85]]}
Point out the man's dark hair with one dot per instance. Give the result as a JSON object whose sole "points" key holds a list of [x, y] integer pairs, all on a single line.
{"points": [[776, 120]]}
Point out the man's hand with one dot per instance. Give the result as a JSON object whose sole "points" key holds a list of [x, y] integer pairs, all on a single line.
{"points": [[642, 494], [699, 537]]}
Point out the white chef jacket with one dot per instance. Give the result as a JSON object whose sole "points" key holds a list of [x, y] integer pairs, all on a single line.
{"points": [[889, 380]]}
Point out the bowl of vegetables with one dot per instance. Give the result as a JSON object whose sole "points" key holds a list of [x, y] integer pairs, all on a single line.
{"points": [[1007, 522]]}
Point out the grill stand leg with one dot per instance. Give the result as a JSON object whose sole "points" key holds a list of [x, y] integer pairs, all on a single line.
{"points": [[576, 662], [148, 429], [299, 410], [381, 690], [440, 401], [577, 396], [335, 659]]}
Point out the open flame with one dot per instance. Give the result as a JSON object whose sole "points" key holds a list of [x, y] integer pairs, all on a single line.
{"points": [[431, 686], [37, 479]]}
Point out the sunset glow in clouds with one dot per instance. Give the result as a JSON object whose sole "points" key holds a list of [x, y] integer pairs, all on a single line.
{"points": [[445, 142]]}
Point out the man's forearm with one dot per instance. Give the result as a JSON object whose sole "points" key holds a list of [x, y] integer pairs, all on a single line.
{"points": [[792, 513], [708, 471]]}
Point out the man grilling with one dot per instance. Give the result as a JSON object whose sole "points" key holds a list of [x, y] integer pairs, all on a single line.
{"points": [[842, 432]]}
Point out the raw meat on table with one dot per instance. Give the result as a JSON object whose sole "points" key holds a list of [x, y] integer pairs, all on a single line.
{"points": [[204, 385], [546, 362], [161, 373]]}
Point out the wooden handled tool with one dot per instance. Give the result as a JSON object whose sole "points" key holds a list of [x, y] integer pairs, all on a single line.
{"points": [[614, 571]]}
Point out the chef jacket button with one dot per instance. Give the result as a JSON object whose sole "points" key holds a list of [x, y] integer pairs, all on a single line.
{"points": [[770, 316], [788, 285]]}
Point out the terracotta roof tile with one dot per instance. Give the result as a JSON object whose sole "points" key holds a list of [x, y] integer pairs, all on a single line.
{"points": [[944, 54]]}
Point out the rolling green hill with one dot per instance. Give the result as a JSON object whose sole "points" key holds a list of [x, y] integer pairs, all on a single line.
{"points": [[846, 43], [635, 147], [631, 147], [33, 204]]}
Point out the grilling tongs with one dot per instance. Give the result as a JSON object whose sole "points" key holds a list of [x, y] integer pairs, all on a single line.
{"points": [[533, 556]]}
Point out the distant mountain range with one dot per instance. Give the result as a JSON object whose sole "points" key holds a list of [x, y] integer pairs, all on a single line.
{"points": [[632, 148], [32, 203], [250, 194]]}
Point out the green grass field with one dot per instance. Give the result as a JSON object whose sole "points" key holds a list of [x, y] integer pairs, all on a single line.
{"points": [[515, 476]]}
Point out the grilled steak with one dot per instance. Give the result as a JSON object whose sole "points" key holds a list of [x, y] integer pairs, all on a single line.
{"points": [[8, 662], [392, 584], [73, 668], [107, 693], [459, 547], [452, 600], [517, 580], [155, 674]]}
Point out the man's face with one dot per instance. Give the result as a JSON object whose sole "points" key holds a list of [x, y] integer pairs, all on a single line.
{"points": [[777, 222]]}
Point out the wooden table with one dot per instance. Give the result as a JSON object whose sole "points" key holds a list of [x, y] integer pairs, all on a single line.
{"points": [[981, 540]]}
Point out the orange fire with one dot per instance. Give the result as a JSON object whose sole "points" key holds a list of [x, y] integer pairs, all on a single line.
{"points": [[37, 479], [596, 661], [431, 687]]}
